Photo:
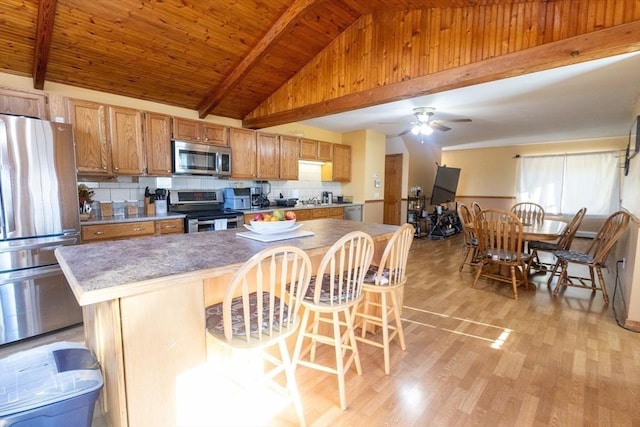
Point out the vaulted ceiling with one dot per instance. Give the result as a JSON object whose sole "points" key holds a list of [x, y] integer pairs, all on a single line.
{"points": [[280, 61]]}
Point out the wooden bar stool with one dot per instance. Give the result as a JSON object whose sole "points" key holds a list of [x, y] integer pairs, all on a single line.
{"points": [[260, 311], [330, 301], [382, 283]]}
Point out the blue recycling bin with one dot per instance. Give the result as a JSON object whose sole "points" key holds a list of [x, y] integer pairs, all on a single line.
{"points": [[54, 385]]}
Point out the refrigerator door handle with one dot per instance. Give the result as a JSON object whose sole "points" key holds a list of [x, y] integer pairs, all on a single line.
{"points": [[6, 217]]}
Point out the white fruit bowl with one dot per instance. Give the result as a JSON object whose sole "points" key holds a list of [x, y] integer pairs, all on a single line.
{"points": [[272, 226]]}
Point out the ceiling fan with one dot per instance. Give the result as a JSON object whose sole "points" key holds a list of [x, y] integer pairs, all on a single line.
{"points": [[424, 125]]}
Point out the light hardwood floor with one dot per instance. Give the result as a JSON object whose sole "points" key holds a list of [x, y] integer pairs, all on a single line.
{"points": [[478, 357]]}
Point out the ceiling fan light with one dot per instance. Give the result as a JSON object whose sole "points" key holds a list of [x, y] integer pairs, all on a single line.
{"points": [[425, 129], [415, 129]]}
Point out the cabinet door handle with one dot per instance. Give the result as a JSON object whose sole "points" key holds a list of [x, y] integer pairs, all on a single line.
{"points": [[169, 226], [98, 233], [138, 228]]}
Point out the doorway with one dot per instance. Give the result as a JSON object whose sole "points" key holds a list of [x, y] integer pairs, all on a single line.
{"points": [[392, 189]]}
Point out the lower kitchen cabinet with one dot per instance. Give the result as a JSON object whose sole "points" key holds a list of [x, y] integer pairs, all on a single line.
{"points": [[170, 226], [128, 230]]}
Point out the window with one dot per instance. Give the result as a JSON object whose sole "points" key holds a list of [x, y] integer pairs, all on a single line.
{"points": [[563, 184]]}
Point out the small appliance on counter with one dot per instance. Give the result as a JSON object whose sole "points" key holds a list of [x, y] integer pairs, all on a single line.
{"points": [[260, 195], [327, 197], [237, 198]]}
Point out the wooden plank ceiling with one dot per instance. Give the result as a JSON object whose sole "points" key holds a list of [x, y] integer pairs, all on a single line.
{"points": [[280, 61]]}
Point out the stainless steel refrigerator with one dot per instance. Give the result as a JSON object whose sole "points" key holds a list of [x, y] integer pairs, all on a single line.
{"points": [[38, 212]]}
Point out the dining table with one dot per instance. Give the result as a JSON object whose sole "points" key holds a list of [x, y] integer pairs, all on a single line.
{"points": [[547, 230]]}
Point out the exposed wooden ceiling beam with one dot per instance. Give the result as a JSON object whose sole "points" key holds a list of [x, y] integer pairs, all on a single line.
{"points": [[284, 22], [44, 31], [612, 41]]}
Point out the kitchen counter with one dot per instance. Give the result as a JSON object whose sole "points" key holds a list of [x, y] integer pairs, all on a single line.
{"points": [[123, 219], [299, 207], [144, 309]]}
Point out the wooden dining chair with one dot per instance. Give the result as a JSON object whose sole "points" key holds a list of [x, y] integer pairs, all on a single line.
{"points": [[595, 258], [562, 244], [380, 304], [528, 212], [475, 208], [470, 238], [260, 311], [500, 244], [330, 301]]}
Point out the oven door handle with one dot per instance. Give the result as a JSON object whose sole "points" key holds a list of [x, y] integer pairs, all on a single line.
{"points": [[213, 221]]}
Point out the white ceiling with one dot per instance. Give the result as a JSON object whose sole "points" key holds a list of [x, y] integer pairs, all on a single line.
{"points": [[593, 99]]}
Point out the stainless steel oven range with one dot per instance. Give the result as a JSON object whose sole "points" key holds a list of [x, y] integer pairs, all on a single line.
{"points": [[204, 210]]}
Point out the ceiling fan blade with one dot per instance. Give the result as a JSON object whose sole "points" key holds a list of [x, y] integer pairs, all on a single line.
{"points": [[455, 121], [439, 126], [404, 132]]}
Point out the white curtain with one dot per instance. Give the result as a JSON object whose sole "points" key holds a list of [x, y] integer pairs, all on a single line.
{"points": [[563, 184]]}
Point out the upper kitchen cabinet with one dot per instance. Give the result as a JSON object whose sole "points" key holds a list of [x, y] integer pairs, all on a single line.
{"points": [[23, 103], [243, 153], [325, 151], [340, 168], [316, 150], [267, 156], [341, 162], [157, 141], [127, 144], [308, 149], [289, 149], [200, 132], [90, 129]]}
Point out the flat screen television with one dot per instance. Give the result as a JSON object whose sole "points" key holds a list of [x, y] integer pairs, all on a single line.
{"points": [[445, 185], [634, 138]]}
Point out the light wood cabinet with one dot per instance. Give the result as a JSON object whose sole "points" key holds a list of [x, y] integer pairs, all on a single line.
{"points": [[129, 230], [22, 103], [340, 168], [127, 144], [267, 156], [157, 142], [320, 213], [325, 151], [91, 131], [215, 134], [200, 132], [337, 213], [114, 140], [169, 226], [289, 147], [117, 231], [308, 149], [243, 153]]}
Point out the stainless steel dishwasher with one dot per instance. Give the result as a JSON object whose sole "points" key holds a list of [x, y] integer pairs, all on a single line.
{"points": [[353, 213]]}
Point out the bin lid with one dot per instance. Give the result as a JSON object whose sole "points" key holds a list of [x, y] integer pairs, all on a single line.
{"points": [[47, 374]]}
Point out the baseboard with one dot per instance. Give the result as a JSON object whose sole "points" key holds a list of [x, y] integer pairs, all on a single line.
{"points": [[633, 325]]}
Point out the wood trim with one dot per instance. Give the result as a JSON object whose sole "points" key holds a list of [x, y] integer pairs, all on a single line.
{"points": [[585, 47], [289, 18], [44, 30]]}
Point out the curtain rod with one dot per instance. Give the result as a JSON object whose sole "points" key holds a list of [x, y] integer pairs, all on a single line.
{"points": [[519, 156]]}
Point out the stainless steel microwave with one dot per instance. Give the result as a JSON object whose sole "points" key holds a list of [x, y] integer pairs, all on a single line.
{"points": [[199, 159]]}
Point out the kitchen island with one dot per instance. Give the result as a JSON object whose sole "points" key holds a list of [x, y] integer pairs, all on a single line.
{"points": [[143, 306]]}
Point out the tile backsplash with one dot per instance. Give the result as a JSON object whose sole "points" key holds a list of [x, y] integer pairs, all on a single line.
{"points": [[123, 188]]}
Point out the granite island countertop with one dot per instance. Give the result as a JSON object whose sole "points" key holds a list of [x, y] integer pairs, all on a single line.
{"points": [[108, 270]]}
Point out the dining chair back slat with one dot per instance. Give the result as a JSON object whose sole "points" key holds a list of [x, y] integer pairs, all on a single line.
{"points": [[528, 212]]}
